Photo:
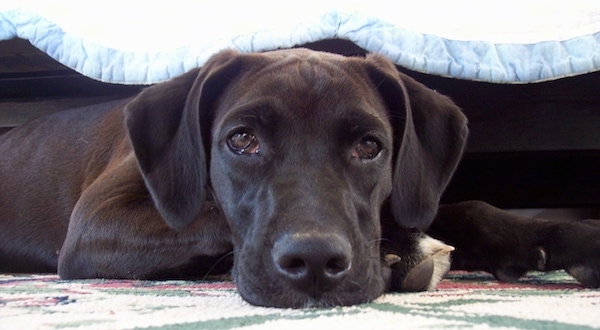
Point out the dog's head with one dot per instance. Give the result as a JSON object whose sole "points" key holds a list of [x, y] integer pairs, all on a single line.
{"points": [[301, 150]]}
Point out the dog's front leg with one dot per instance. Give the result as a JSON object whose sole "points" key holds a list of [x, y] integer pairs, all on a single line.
{"points": [[506, 245], [116, 232]]}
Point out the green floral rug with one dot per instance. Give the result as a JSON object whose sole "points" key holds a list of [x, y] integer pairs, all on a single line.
{"points": [[464, 300]]}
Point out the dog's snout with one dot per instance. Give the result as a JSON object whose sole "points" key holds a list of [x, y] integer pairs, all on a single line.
{"points": [[313, 262]]}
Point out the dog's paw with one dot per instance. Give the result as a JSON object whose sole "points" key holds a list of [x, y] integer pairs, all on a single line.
{"points": [[422, 270], [574, 247], [582, 258], [587, 272]]}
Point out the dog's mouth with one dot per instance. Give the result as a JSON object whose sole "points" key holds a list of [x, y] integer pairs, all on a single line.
{"points": [[307, 272], [270, 295]]}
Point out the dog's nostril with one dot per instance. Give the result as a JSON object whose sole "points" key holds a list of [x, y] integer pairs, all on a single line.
{"points": [[337, 266], [293, 266], [298, 267], [313, 267], [296, 264]]}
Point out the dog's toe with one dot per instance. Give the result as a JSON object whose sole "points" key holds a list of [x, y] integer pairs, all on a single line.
{"points": [[508, 275], [391, 259], [586, 275]]}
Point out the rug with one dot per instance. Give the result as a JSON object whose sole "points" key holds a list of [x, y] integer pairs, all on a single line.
{"points": [[463, 300]]}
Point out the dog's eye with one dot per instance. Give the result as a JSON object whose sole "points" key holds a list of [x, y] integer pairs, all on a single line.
{"points": [[243, 143], [368, 148]]}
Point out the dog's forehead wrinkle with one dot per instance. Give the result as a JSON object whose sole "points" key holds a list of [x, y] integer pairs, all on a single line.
{"points": [[309, 72], [314, 83], [257, 109]]}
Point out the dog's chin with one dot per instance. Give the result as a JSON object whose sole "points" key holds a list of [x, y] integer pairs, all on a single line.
{"points": [[278, 295], [298, 300]]}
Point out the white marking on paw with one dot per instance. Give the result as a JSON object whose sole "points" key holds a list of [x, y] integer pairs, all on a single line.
{"points": [[441, 258]]}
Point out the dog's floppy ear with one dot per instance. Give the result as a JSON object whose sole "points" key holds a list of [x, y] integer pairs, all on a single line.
{"points": [[430, 134], [165, 130]]}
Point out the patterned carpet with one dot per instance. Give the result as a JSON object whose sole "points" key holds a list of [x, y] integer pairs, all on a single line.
{"points": [[464, 300]]}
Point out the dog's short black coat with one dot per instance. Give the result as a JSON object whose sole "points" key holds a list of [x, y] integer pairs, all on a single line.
{"points": [[317, 173]]}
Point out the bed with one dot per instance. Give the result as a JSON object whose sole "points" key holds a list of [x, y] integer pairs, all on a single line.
{"points": [[525, 72]]}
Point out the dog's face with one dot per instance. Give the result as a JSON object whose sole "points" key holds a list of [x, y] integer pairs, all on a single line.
{"points": [[301, 149], [301, 164]]}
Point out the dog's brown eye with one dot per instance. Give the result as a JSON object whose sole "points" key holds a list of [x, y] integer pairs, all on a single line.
{"points": [[367, 149], [243, 143]]}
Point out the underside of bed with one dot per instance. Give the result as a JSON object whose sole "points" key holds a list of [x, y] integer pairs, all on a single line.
{"points": [[534, 145]]}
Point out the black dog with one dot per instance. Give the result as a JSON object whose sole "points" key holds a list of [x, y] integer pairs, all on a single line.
{"points": [[318, 172]]}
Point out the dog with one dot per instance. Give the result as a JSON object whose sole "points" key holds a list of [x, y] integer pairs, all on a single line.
{"points": [[315, 178]]}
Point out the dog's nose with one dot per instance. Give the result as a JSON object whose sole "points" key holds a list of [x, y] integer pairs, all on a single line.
{"points": [[313, 262]]}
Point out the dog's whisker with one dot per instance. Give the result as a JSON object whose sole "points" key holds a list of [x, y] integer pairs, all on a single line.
{"points": [[356, 284], [225, 256]]}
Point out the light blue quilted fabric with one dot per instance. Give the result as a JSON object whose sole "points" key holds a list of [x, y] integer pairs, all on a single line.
{"points": [[428, 53]]}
